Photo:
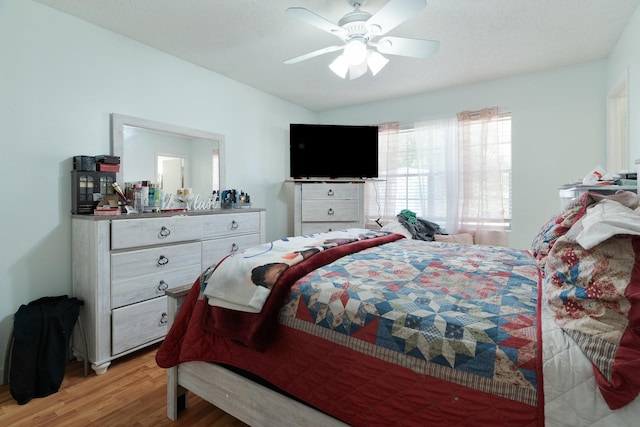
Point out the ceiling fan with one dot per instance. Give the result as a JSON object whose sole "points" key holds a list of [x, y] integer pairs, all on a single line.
{"points": [[363, 37]]}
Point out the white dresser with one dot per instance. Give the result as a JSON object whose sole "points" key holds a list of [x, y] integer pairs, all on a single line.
{"points": [[325, 205], [572, 191], [121, 267]]}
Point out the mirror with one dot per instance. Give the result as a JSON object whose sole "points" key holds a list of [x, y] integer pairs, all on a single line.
{"points": [[174, 156]]}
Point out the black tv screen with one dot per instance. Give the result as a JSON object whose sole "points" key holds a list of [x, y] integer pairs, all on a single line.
{"points": [[333, 151]]}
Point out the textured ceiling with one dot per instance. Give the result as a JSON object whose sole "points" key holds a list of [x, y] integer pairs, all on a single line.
{"points": [[247, 41]]}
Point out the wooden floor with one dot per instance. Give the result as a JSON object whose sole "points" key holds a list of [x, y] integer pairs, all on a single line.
{"points": [[131, 393]]}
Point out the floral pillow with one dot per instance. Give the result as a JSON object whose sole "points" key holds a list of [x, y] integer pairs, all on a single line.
{"points": [[595, 297], [556, 227]]}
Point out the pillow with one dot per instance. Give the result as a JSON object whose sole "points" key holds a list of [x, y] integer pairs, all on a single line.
{"points": [[396, 227], [465, 238], [557, 226], [595, 297]]}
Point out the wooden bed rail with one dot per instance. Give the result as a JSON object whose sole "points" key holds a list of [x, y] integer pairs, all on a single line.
{"points": [[176, 395], [240, 397]]}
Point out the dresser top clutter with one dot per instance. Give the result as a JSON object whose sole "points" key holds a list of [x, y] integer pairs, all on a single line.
{"points": [[598, 181], [95, 191]]}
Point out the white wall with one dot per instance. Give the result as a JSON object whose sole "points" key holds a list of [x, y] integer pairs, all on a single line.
{"points": [[60, 78], [558, 129]]}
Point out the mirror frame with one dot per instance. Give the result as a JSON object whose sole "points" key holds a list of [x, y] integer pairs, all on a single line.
{"points": [[119, 121]]}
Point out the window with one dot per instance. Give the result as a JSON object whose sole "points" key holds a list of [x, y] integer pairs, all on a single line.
{"points": [[485, 156], [454, 171]]}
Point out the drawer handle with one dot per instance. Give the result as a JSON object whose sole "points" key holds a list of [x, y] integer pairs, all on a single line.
{"points": [[164, 319], [234, 247], [164, 232], [163, 286], [330, 212], [234, 224], [162, 261], [330, 192]]}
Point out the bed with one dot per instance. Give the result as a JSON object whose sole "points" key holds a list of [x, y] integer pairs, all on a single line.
{"points": [[379, 329]]}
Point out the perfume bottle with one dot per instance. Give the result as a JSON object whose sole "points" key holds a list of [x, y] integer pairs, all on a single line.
{"points": [[138, 202]]}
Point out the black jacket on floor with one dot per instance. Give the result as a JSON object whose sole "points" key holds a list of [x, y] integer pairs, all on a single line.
{"points": [[41, 333]]}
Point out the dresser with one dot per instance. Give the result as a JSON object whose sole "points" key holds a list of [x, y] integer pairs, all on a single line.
{"points": [[325, 205], [122, 266], [571, 191]]}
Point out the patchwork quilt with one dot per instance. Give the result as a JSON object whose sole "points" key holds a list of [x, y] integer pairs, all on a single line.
{"points": [[462, 313], [403, 333]]}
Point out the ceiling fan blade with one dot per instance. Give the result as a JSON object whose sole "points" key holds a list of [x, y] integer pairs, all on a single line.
{"points": [[408, 47], [317, 21], [313, 54], [392, 14]]}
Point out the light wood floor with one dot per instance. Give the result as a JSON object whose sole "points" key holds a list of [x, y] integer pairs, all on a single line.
{"points": [[131, 393]]}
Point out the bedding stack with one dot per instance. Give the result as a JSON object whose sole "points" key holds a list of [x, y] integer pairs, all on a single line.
{"points": [[589, 257]]}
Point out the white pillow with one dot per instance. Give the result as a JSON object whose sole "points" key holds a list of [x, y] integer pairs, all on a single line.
{"points": [[397, 227], [455, 238]]}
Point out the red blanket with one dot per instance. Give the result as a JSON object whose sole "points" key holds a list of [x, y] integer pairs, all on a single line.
{"points": [[254, 330]]}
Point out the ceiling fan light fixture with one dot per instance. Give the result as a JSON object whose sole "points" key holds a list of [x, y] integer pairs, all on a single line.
{"points": [[340, 66], [356, 51], [364, 39], [358, 70], [376, 62]]}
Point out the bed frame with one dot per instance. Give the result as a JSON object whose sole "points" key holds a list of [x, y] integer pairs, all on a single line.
{"points": [[238, 396]]}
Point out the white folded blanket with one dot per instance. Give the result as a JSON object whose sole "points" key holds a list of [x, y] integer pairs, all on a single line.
{"points": [[243, 281], [606, 219]]}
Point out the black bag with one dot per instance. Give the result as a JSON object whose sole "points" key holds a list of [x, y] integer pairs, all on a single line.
{"points": [[39, 354]]}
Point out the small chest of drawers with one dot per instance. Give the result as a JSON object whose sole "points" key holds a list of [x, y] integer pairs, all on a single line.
{"points": [[122, 267], [325, 206]]}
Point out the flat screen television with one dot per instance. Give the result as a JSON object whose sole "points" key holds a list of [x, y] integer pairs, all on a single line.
{"points": [[333, 151]]}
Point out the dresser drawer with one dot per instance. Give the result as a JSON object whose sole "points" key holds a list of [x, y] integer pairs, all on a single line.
{"points": [[322, 227], [230, 224], [140, 288], [329, 191], [131, 264], [138, 324], [337, 210], [131, 233], [215, 249]]}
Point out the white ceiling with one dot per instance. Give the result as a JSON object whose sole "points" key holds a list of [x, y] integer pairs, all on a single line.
{"points": [[247, 40]]}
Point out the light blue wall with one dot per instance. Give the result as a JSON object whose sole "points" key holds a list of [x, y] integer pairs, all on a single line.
{"points": [[60, 78]]}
